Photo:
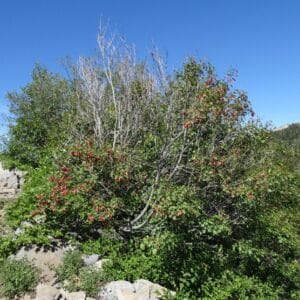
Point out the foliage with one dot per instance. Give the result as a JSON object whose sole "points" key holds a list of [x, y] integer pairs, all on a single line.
{"points": [[289, 141], [232, 286], [36, 182], [89, 280], [91, 190], [290, 135], [9, 163], [39, 113], [76, 276], [163, 169], [17, 277], [107, 244], [72, 263], [38, 235]]}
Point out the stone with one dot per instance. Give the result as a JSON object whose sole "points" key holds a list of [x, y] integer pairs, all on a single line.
{"points": [[89, 260], [11, 182], [140, 290], [46, 292], [27, 297], [43, 259], [20, 230], [146, 289], [124, 294], [73, 296], [98, 265], [26, 224], [115, 289]]}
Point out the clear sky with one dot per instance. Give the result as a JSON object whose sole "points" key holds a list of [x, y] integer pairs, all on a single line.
{"points": [[259, 38]]}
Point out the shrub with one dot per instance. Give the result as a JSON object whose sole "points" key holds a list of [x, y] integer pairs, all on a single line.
{"points": [[107, 244], [39, 113], [232, 286], [75, 276], [178, 169], [17, 277], [89, 280], [72, 263]]}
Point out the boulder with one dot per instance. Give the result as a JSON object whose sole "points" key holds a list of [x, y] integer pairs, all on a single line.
{"points": [[146, 289], [11, 182], [116, 290], [47, 292], [43, 259], [72, 296], [124, 290], [98, 265], [89, 260]]}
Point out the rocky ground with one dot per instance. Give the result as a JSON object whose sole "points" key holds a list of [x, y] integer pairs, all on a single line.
{"points": [[46, 258], [50, 289]]}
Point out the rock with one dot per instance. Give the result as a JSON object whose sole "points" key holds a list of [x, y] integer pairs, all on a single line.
{"points": [[26, 224], [145, 289], [18, 231], [39, 219], [43, 259], [98, 265], [89, 260], [10, 182], [23, 225], [46, 292], [57, 284], [27, 297], [124, 290], [73, 296], [116, 290]]}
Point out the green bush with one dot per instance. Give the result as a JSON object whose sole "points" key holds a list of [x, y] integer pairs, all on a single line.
{"points": [[236, 287], [39, 113], [72, 263], [75, 276], [186, 182], [107, 244], [89, 280], [17, 277], [36, 183]]}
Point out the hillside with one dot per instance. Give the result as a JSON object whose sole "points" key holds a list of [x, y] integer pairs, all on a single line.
{"points": [[289, 134]]}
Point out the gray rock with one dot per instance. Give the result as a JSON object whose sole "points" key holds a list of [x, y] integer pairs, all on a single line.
{"points": [[113, 290], [26, 224], [43, 259], [10, 182], [140, 290], [147, 290], [46, 292], [73, 296], [23, 225], [18, 231], [98, 265], [89, 260]]}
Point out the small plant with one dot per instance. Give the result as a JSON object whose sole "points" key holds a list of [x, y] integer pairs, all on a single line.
{"points": [[17, 277], [72, 263], [75, 276], [89, 280]]}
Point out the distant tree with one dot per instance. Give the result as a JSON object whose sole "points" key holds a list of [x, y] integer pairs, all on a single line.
{"points": [[289, 139], [39, 114], [289, 135]]}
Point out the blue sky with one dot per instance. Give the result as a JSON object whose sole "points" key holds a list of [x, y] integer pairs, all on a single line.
{"points": [[259, 38]]}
